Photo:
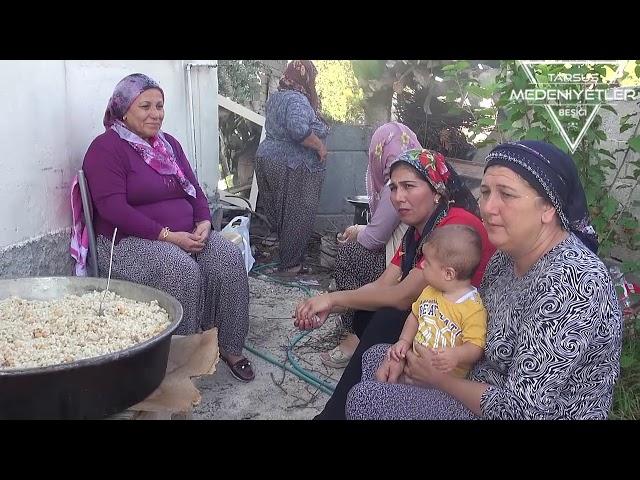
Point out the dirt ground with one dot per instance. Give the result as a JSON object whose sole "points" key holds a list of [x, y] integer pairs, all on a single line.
{"points": [[275, 393]]}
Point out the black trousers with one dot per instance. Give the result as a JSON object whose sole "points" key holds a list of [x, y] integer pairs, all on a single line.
{"points": [[382, 326]]}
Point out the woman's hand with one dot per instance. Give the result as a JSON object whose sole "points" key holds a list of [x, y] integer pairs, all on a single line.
{"points": [[389, 371], [313, 312], [202, 230], [322, 153], [189, 242], [313, 142], [350, 234], [445, 359], [420, 367]]}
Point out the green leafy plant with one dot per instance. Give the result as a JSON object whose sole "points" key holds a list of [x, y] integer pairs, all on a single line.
{"points": [[600, 169], [339, 92]]}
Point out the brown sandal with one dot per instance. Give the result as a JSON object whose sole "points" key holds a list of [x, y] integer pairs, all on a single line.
{"points": [[241, 369]]}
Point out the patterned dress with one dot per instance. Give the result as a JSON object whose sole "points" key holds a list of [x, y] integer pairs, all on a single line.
{"points": [[553, 347], [356, 266], [212, 286], [290, 175]]}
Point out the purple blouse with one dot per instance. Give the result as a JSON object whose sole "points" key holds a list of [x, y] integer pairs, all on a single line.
{"points": [[129, 194]]}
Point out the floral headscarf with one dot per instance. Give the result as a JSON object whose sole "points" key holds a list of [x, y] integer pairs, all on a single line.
{"points": [[300, 75], [126, 91], [387, 143], [433, 167], [158, 152]]}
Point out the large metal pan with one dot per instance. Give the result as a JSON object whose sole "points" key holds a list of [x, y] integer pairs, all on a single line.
{"points": [[93, 387], [361, 215]]}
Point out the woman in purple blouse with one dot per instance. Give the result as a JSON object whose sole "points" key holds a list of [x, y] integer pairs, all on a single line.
{"points": [[141, 182]]}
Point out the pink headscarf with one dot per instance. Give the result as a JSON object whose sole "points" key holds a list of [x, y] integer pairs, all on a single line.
{"points": [[159, 155], [387, 143], [126, 91]]}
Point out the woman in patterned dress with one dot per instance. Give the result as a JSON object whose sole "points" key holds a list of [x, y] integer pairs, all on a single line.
{"points": [[428, 194], [366, 250], [141, 182], [290, 163], [555, 329]]}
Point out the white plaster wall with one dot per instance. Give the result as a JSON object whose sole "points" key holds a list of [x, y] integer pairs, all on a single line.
{"points": [[33, 141]]}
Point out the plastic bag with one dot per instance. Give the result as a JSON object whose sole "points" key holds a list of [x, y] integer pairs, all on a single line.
{"points": [[620, 284], [237, 231]]}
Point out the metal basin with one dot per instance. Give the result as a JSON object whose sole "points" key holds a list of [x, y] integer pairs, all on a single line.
{"points": [[361, 204], [358, 200], [94, 387]]}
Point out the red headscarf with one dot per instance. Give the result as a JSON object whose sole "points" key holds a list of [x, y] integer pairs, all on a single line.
{"points": [[300, 75]]}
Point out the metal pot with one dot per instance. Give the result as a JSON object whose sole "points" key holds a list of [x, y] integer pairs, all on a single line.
{"points": [[362, 213], [94, 387]]}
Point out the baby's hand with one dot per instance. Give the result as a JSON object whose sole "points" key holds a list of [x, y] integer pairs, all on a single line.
{"points": [[445, 359], [398, 350]]}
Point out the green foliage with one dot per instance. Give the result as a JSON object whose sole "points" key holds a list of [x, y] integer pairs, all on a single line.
{"points": [[467, 93], [379, 79], [339, 92], [240, 79], [368, 69], [626, 398], [596, 165]]}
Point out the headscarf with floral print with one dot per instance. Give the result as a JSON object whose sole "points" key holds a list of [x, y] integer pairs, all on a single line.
{"points": [[300, 75], [433, 167], [126, 91], [387, 143], [157, 152]]}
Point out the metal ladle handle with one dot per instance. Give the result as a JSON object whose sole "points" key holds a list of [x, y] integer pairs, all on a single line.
{"points": [[113, 241]]}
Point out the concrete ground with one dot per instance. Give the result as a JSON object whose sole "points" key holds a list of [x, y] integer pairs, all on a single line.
{"points": [[275, 393]]}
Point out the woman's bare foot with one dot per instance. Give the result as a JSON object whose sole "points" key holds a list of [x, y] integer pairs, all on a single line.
{"points": [[291, 271], [349, 344], [339, 356]]}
